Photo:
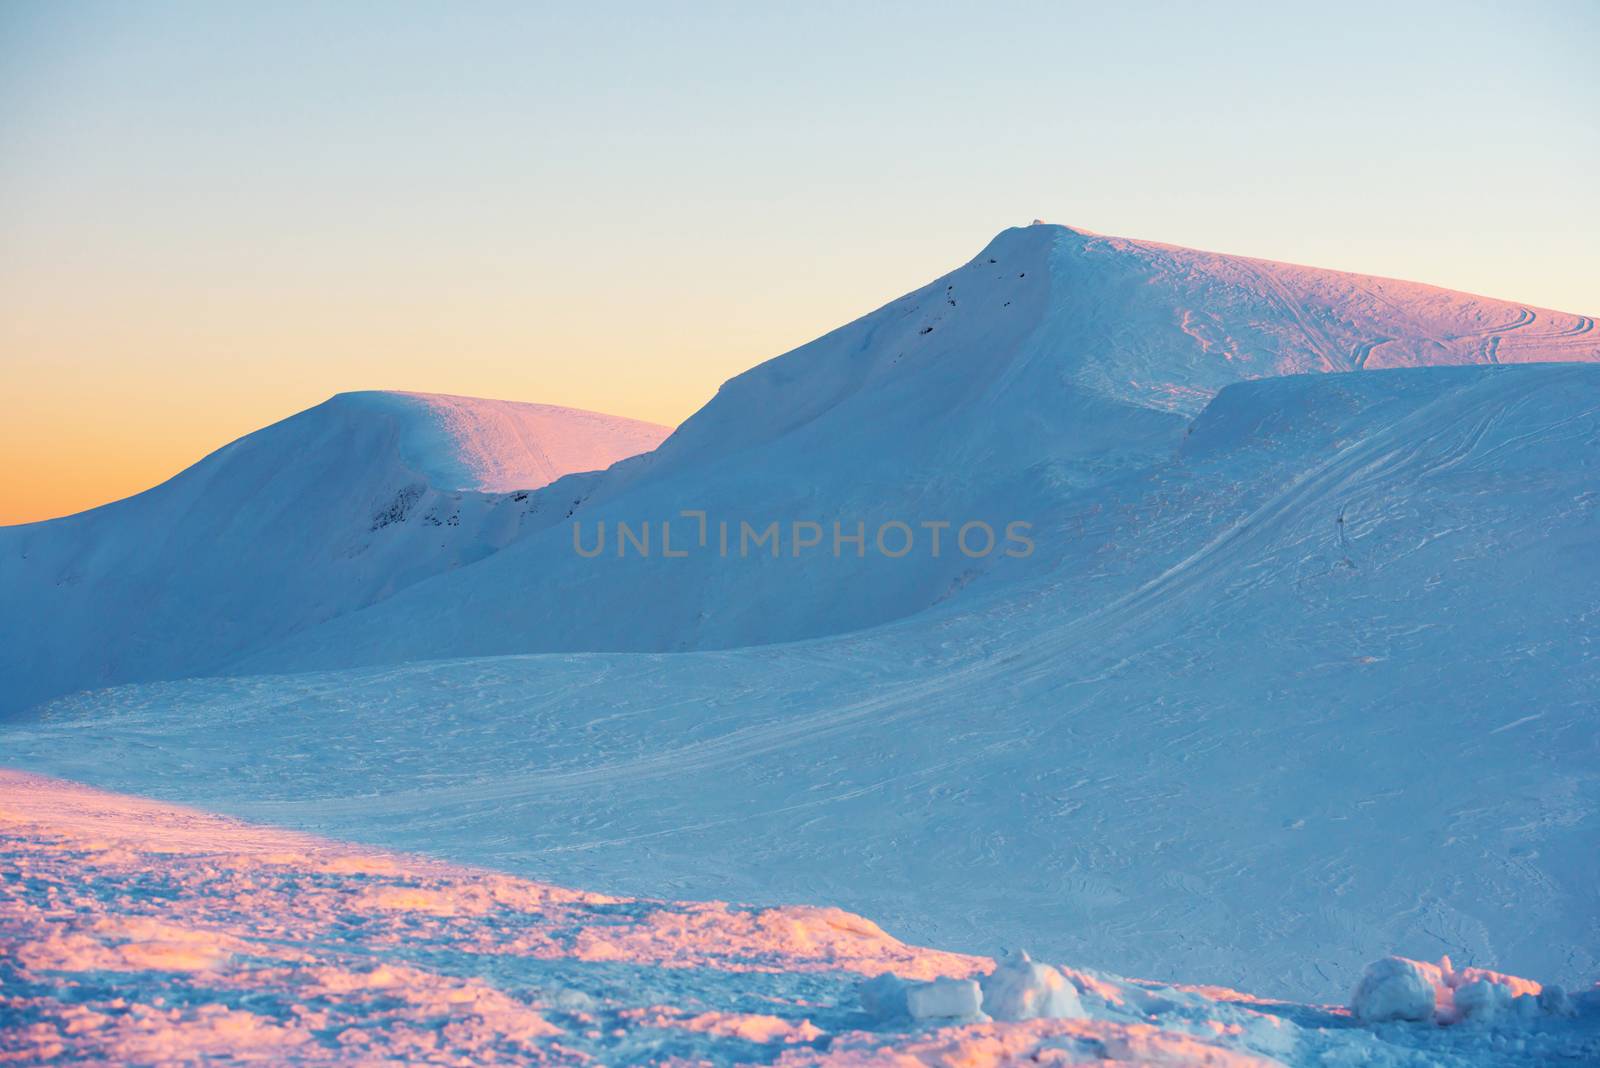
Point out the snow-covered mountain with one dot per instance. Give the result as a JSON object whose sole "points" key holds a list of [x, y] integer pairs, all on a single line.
{"points": [[1316, 687], [1052, 364], [1055, 362], [327, 511], [1299, 672]]}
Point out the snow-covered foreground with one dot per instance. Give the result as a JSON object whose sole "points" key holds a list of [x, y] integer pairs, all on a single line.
{"points": [[140, 933]]}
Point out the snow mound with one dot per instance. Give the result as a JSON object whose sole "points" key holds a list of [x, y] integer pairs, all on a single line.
{"points": [[1394, 989], [1016, 989], [1021, 989], [1053, 364], [323, 513]]}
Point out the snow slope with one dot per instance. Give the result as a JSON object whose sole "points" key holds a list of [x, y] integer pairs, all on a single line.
{"points": [[327, 511], [1315, 687], [1055, 362], [144, 933]]}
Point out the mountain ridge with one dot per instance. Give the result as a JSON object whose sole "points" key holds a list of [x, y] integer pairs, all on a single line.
{"points": [[1051, 362]]}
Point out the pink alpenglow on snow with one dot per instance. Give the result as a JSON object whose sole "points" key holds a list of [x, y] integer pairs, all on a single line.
{"points": [[138, 932], [503, 446]]}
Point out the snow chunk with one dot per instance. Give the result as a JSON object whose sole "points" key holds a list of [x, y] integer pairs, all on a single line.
{"points": [[1020, 989], [1554, 1001], [944, 999], [1394, 988], [888, 997], [1482, 1000], [883, 997]]}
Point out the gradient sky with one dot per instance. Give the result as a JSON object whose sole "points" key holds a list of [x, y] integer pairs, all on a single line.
{"points": [[213, 214]]}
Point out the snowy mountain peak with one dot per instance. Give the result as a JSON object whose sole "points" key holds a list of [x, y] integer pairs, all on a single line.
{"points": [[1165, 327], [1047, 319]]}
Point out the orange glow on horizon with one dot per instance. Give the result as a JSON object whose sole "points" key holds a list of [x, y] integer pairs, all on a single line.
{"points": [[611, 209], [108, 401]]}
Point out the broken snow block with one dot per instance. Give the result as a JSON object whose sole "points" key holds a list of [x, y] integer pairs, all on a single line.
{"points": [[884, 997], [1526, 1006], [1482, 1000], [1393, 989], [1020, 989], [943, 999], [1554, 1000]]}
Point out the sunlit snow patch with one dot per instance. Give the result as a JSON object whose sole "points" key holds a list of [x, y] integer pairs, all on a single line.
{"points": [[136, 932]]}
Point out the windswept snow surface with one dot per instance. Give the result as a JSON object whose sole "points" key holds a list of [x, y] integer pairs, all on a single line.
{"points": [[139, 933], [323, 513], [1316, 688]]}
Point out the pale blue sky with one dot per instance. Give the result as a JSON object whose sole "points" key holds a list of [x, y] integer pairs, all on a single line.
{"points": [[238, 209]]}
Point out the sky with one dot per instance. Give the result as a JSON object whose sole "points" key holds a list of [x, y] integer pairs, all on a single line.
{"points": [[213, 215]]}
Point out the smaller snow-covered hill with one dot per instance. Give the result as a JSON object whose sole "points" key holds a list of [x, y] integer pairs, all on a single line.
{"points": [[327, 511]]}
